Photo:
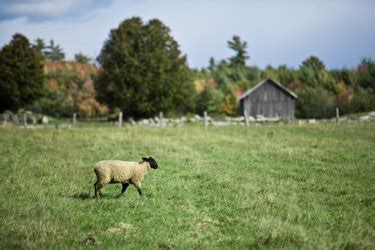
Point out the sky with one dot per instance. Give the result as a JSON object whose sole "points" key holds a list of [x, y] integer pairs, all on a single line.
{"points": [[340, 32]]}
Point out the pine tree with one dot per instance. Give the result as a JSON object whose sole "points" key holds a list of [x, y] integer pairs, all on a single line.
{"points": [[212, 64], [40, 46], [240, 48], [54, 52]]}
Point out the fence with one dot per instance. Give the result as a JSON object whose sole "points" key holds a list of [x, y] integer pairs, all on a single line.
{"points": [[28, 120]]}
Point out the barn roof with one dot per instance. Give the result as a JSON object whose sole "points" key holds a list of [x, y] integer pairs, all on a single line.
{"points": [[272, 82]]}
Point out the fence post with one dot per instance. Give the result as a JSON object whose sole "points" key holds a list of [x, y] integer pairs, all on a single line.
{"points": [[120, 120], [337, 116], [160, 119], [246, 118], [74, 120], [25, 120], [205, 119]]}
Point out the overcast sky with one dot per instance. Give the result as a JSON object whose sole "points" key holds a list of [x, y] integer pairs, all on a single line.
{"points": [[340, 32]]}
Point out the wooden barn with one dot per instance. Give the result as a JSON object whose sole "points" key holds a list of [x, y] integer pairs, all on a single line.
{"points": [[269, 99]]}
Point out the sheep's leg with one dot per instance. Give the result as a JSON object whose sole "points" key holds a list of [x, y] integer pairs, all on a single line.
{"points": [[137, 184], [124, 187], [98, 186], [139, 191], [96, 193]]}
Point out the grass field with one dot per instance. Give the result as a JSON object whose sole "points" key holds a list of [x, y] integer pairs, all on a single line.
{"points": [[280, 186]]}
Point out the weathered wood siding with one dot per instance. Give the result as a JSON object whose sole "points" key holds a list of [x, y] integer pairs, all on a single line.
{"points": [[269, 100]]}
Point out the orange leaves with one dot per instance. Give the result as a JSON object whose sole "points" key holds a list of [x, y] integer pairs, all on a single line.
{"points": [[72, 82]]}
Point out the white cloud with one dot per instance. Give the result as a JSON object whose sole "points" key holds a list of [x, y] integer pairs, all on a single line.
{"points": [[39, 8]]}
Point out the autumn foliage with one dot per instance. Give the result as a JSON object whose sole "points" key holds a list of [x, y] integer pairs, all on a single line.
{"points": [[70, 89]]}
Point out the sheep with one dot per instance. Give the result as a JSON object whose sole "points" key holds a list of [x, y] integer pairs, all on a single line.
{"points": [[124, 172]]}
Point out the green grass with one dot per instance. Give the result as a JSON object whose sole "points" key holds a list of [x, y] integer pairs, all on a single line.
{"points": [[281, 186]]}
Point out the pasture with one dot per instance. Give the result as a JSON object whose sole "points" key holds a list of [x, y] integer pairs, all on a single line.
{"points": [[282, 186]]}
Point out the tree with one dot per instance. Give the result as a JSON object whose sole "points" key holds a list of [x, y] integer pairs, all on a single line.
{"points": [[21, 74], [314, 63], [348, 76], [314, 103], [367, 74], [143, 71], [254, 76], [286, 75], [69, 88], [212, 64], [210, 100], [54, 52], [314, 74], [240, 48], [81, 58], [270, 72], [363, 100], [229, 105], [40, 46]]}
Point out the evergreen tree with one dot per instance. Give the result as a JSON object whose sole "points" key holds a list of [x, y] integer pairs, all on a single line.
{"points": [[254, 76], [54, 52], [212, 64], [21, 74], [240, 48], [81, 58], [40, 46], [314, 74], [286, 75], [314, 63], [143, 71]]}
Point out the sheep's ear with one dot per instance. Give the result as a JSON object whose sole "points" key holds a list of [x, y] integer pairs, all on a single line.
{"points": [[150, 158], [144, 159]]}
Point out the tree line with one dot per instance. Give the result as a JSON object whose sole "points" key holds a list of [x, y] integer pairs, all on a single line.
{"points": [[141, 71], [319, 89]]}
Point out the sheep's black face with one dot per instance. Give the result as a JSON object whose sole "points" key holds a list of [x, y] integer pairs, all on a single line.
{"points": [[152, 162]]}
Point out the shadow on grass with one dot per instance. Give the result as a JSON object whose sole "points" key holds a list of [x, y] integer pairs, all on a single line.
{"points": [[88, 196], [82, 196]]}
